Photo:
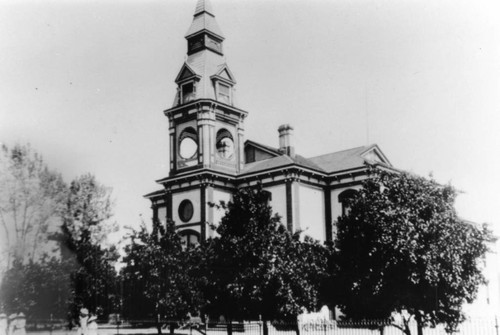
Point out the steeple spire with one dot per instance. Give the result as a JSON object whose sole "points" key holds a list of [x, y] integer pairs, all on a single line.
{"points": [[204, 22], [203, 6], [204, 74]]}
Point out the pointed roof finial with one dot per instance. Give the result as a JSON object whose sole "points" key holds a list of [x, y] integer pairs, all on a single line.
{"points": [[203, 6], [204, 20]]}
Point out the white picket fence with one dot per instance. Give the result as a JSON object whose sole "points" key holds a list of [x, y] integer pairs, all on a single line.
{"points": [[486, 326]]}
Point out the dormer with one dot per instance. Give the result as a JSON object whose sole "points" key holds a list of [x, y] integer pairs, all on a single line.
{"points": [[187, 82], [223, 83]]}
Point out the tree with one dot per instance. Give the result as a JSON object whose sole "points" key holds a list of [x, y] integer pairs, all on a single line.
{"points": [[157, 281], [40, 290], [402, 248], [83, 239], [31, 200], [256, 267]]}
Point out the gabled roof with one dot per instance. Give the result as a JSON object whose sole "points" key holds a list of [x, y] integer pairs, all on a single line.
{"points": [[185, 73], [275, 162], [224, 73], [329, 163], [351, 158], [204, 65], [270, 150], [280, 159]]}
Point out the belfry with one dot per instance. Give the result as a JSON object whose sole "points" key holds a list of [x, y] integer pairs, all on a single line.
{"points": [[210, 158]]}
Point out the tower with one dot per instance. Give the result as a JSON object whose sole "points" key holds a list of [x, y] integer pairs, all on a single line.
{"points": [[206, 133], [206, 128]]}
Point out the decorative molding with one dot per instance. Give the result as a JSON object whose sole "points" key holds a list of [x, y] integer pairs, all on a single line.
{"points": [[186, 225]]}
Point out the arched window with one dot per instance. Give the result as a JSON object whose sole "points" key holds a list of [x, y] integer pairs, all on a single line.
{"points": [[189, 238], [224, 144], [188, 143], [345, 200]]}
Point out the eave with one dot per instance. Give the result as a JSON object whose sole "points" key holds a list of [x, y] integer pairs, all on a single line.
{"points": [[207, 102]]}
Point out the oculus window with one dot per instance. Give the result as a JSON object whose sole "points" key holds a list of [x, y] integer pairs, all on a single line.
{"points": [[186, 210]]}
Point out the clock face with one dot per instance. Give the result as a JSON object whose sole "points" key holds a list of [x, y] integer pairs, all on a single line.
{"points": [[225, 148], [188, 148]]}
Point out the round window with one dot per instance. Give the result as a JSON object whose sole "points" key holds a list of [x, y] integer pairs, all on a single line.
{"points": [[187, 148], [186, 210]]}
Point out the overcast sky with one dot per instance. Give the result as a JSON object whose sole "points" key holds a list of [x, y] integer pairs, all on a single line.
{"points": [[86, 83]]}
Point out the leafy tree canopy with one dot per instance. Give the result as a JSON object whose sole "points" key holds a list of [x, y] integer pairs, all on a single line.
{"points": [[157, 277], [83, 239], [257, 267], [31, 200], [402, 247], [39, 289]]}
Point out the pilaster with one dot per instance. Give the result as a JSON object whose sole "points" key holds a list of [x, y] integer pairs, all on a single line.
{"points": [[203, 208], [168, 201], [328, 214], [240, 158], [206, 123], [173, 146]]}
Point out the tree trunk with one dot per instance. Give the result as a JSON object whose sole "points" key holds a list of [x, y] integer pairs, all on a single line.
{"points": [[297, 328], [158, 324], [172, 328], [265, 328], [407, 330], [418, 319], [420, 330], [229, 325]]}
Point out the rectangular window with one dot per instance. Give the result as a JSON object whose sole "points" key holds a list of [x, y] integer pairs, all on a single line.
{"points": [[224, 93], [162, 215], [188, 92]]}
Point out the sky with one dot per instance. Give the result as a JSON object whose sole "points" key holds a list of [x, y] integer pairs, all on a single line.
{"points": [[86, 84]]}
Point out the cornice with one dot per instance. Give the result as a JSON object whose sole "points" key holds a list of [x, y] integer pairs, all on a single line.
{"points": [[199, 105]]}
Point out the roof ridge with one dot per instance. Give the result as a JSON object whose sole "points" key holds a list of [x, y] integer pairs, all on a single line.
{"points": [[370, 146], [336, 152]]}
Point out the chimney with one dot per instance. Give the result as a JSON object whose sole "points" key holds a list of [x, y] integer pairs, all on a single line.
{"points": [[286, 140]]}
